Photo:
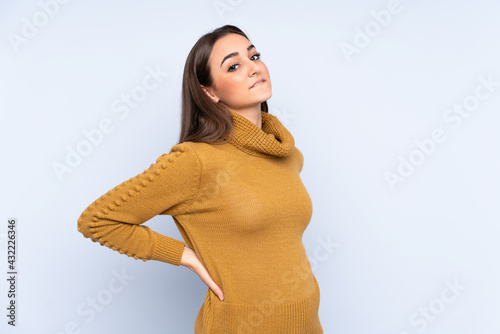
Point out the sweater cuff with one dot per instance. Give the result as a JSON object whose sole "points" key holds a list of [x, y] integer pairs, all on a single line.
{"points": [[167, 249]]}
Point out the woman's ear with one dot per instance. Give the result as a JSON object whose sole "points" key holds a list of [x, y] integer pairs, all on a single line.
{"points": [[210, 94]]}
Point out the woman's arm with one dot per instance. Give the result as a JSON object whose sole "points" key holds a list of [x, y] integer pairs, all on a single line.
{"points": [[169, 186]]}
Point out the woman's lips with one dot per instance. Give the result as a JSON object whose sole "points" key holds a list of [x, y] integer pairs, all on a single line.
{"points": [[258, 83]]}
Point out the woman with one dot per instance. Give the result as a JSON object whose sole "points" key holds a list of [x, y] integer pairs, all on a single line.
{"points": [[233, 189]]}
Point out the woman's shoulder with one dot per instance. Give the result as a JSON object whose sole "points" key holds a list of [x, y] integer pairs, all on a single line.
{"points": [[193, 148], [201, 152], [204, 150], [298, 157]]}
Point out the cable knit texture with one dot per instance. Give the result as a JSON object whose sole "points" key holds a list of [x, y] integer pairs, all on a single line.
{"points": [[243, 209]]}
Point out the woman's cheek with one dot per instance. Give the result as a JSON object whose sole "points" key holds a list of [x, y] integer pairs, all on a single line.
{"points": [[234, 86]]}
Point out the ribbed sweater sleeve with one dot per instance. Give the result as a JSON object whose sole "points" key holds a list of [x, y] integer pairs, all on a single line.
{"points": [[167, 187]]}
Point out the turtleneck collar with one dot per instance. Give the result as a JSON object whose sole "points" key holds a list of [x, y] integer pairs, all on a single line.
{"points": [[273, 140]]}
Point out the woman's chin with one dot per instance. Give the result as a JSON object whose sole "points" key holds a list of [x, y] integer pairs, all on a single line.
{"points": [[266, 96]]}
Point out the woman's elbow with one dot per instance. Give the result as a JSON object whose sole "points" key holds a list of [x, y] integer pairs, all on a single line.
{"points": [[84, 225]]}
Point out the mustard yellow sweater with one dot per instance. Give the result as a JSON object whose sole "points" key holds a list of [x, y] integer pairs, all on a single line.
{"points": [[243, 209]]}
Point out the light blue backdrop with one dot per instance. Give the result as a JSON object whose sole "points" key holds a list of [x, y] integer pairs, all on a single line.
{"points": [[394, 104]]}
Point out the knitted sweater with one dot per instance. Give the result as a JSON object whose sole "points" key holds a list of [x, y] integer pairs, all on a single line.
{"points": [[243, 209]]}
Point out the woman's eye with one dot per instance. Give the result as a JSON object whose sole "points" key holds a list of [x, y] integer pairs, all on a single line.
{"points": [[232, 67]]}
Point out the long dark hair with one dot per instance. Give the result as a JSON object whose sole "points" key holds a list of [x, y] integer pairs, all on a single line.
{"points": [[203, 120]]}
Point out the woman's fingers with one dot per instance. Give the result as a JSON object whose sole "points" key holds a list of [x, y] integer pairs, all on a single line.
{"points": [[205, 277], [190, 260]]}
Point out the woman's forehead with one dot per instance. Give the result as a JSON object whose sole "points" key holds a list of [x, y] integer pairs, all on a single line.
{"points": [[231, 43]]}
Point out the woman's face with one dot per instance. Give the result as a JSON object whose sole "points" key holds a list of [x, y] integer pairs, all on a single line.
{"points": [[235, 68]]}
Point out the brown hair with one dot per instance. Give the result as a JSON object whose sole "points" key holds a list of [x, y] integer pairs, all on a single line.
{"points": [[202, 120]]}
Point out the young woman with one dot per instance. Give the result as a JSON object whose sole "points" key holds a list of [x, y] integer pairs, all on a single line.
{"points": [[233, 189]]}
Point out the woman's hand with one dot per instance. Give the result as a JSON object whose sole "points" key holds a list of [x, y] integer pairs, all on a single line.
{"points": [[190, 260]]}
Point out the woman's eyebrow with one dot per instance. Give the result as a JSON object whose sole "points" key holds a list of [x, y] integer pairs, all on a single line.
{"points": [[236, 53]]}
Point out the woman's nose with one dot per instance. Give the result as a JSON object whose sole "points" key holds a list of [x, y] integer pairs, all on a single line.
{"points": [[254, 68]]}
